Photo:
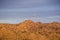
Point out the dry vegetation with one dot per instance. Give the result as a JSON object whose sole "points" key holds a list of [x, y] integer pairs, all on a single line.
{"points": [[29, 30]]}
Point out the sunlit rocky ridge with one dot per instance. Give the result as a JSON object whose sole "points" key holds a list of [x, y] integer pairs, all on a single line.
{"points": [[30, 30]]}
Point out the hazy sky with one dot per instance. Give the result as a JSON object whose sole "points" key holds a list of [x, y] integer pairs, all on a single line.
{"points": [[14, 11]]}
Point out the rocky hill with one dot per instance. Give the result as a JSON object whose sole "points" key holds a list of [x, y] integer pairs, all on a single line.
{"points": [[30, 30]]}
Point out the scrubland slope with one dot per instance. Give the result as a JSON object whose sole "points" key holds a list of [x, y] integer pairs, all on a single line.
{"points": [[29, 30]]}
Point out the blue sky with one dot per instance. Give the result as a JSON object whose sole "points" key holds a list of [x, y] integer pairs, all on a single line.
{"points": [[15, 11]]}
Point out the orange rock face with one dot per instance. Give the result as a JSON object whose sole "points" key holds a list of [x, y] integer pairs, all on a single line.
{"points": [[29, 30]]}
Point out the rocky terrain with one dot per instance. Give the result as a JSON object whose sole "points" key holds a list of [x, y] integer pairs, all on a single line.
{"points": [[30, 30]]}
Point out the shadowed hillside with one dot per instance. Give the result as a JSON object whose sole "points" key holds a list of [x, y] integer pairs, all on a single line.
{"points": [[29, 30]]}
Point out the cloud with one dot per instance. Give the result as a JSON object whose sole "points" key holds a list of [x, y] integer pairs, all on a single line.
{"points": [[26, 3], [45, 10], [47, 19], [37, 19], [12, 21]]}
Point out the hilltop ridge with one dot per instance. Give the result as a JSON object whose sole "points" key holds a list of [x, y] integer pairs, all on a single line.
{"points": [[30, 30]]}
